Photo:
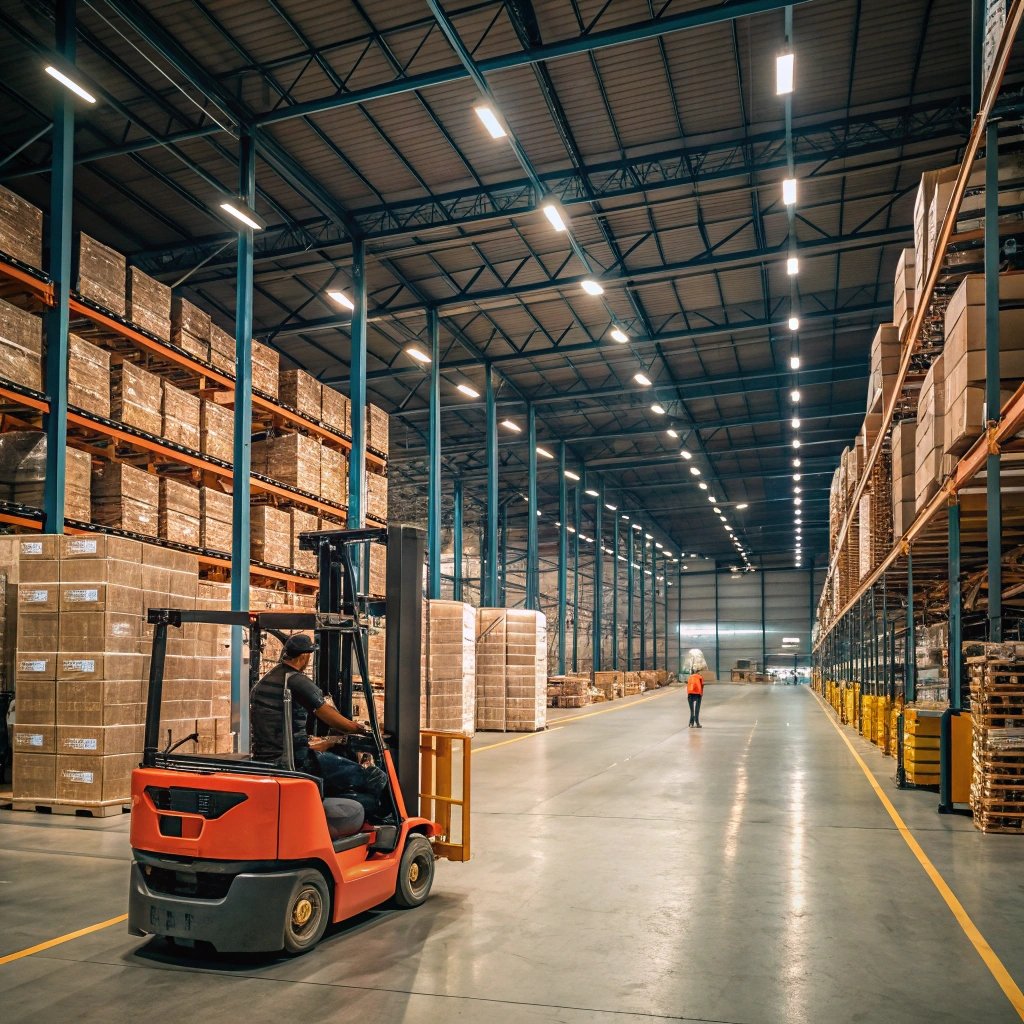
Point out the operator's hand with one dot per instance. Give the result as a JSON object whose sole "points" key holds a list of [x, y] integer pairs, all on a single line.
{"points": [[319, 743]]}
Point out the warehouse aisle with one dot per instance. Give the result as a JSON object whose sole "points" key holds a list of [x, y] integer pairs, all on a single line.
{"points": [[625, 869]]}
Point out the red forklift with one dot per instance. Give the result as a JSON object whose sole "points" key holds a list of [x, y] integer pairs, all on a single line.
{"points": [[241, 855]]}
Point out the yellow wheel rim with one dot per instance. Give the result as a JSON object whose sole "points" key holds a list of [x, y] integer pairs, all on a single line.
{"points": [[302, 912], [414, 872]]}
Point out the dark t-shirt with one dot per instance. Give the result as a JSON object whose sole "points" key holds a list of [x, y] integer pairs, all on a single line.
{"points": [[266, 713]]}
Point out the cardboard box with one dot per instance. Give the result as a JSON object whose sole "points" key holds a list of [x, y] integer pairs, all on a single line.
{"points": [[884, 367], [35, 776], [265, 369], [35, 739], [88, 376], [929, 436], [98, 547], [94, 780], [96, 666], [92, 740], [36, 702], [149, 304], [111, 632], [965, 417], [98, 597], [102, 275], [270, 533], [21, 229], [100, 703], [293, 459], [903, 303], [302, 522], [21, 346], [215, 522], [302, 392], [126, 498], [377, 428], [333, 476], [334, 411], [190, 328], [179, 512], [38, 597], [32, 667], [181, 412], [377, 496], [222, 349], [135, 398], [217, 431]]}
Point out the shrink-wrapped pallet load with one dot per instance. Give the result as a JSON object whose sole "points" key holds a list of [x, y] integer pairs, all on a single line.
{"points": [[526, 672], [270, 535], [136, 398], [102, 275], [222, 349], [149, 304], [490, 669], [126, 498], [884, 366], [334, 411], [21, 346], [266, 366], [21, 229], [929, 435], [449, 660], [88, 377], [190, 328], [903, 303], [302, 392], [215, 520], [180, 512], [333, 475], [216, 431], [180, 416]]}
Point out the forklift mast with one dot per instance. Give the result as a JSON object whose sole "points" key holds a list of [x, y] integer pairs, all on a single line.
{"points": [[343, 560]]}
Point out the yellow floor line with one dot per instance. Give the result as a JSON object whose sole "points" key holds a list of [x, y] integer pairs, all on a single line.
{"points": [[50, 943], [996, 967]]}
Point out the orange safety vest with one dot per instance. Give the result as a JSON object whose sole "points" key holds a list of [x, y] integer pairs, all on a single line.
{"points": [[695, 684]]}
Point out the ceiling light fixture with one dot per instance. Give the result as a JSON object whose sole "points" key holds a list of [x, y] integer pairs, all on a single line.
{"points": [[591, 287], [795, 421], [611, 508], [694, 471], [703, 486], [784, 69], [619, 335], [789, 191], [794, 395], [570, 475], [468, 391], [796, 442], [658, 408], [341, 299], [794, 323], [544, 452], [592, 492], [237, 209], [796, 462], [642, 378], [491, 122], [792, 266], [69, 83], [794, 362], [514, 427], [554, 217], [687, 455], [672, 432], [742, 506], [796, 476], [418, 354]]}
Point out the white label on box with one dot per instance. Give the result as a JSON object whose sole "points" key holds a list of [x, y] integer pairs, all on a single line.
{"points": [[31, 666], [76, 776], [89, 595], [36, 596], [31, 547], [30, 739], [83, 546], [121, 629], [80, 743], [79, 665]]}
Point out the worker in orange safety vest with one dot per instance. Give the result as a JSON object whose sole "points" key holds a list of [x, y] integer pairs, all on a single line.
{"points": [[694, 692]]}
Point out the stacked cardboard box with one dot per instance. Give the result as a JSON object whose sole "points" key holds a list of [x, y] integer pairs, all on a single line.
{"points": [[376, 654], [265, 369], [126, 498], [378, 571], [929, 435], [377, 496], [213, 669], [21, 346], [23, 473], [904, 292], [302, 522], [88, 376], [875, 518], [215, 520], [904, 461], [885, 364], [334, 411], [135, 398], [179, 512], [333, 475], [216, 431], [997, 719], [526, 672], [964, 357], [102, 274], [190, 328], [270, 535], [302, 392], [610, 684], [490, 668], [180, 416], [222, 349], [377, 429], [449, 659], [149, 304], [21, 229]]}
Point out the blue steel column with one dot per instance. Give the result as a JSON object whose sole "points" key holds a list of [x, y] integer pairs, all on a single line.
{"points": [[630, 584], [357, 389], [910, 660], [489, 591], [434, 461], [576, 581], [242, 444], [59, 266], [457, 541], [532, 581], [643, 607], [665, 630], [679, 602], [654, 607], [615, 591], [992, 379], [563, 512], [598, 576], [955, 606]]}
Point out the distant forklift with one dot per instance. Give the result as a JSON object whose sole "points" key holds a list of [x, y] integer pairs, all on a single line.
{"points": [[238, 853]]}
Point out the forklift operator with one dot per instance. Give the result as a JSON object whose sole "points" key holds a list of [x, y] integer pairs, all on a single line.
{"points": [[341, 776]]}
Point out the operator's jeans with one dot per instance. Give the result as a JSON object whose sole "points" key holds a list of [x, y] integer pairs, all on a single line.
{"points": [[694, 700], [342, 777]]}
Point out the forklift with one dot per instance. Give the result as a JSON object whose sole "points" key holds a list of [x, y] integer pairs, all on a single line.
{"points": [[238, 854]]}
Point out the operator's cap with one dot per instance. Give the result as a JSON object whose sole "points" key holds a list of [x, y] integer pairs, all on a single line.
{"points": [[300, 643]]}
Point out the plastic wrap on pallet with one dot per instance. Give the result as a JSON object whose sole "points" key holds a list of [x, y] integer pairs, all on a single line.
{"points": [[266, 365], [181, 413], [334, 411], [23, 473], [126, 498], [21, 229], [449, 662], [149, 304], [302, 392], [21, 346], [215, 519], [216, 431], [929, 436], [102, 274], [88, 376], [377, 428], [135, 398], [333, 475], [222, 349], [179, 512], [302, 522], [270, 535], [377, 496], [292, 459]]}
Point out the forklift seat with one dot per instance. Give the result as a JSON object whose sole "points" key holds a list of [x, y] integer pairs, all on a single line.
{"points": [[344, 817]]}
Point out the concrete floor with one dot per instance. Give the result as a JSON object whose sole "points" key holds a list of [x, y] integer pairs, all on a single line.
{"points": [[625, 869]]}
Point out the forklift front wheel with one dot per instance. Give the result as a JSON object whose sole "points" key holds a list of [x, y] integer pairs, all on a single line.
{"points": [[416, 872], [306, 913]]}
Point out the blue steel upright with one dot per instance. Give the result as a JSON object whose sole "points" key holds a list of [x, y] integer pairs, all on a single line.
{"points": [[615, 591], [357, 388], [643, 605], [242, 464], [563, 512], [654, 606], [955, 609], [532, 580], [910, 660], [434, 462], [457, 540], [489, 591], [59, 266], [598, 576], [630, 584]]}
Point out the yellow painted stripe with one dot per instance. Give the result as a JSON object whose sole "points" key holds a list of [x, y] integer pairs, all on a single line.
{"points": [[50, 943], [996, 967], [516, 739]]}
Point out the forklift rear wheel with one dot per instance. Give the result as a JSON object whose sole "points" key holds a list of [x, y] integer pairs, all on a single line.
{"points": [[415, 873], [306, 913]]}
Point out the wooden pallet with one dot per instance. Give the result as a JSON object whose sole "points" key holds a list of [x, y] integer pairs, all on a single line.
{"points": [[79, 810]]}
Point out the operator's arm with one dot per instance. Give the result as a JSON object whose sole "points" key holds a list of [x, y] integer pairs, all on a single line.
{"points": [[330, 715]]}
